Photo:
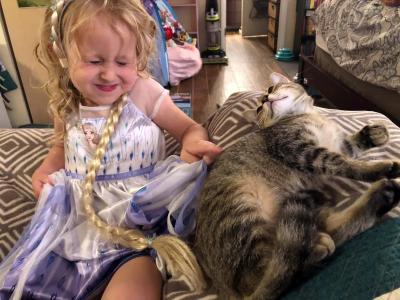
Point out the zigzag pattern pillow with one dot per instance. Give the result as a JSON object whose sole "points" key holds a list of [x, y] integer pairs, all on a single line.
{"points": [[22, 150]]}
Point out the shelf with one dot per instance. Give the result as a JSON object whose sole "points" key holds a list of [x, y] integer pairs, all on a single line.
{"points": [[186, 11], [187, 16], [182, 2], [184, 5]]}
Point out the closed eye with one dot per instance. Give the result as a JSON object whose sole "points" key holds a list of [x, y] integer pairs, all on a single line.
{"points": [[121, 63], [95, 62]]}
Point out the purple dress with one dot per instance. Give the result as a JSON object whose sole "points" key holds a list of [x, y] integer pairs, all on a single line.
{"points": [[61, 255]]}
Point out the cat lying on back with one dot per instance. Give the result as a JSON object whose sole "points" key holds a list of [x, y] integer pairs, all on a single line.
{"points": [[262, 219]]}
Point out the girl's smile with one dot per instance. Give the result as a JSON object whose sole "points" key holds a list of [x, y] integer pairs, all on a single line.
{"points": [[105, 66], [106, 88]]}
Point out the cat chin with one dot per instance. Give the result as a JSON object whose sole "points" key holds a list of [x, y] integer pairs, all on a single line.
{"points": [[265, 119]]}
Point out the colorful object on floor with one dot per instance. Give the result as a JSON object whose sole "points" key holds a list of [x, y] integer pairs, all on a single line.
{"points": [[170, 33], [214, 52], [284, 54], [183, 101], [6, 84]]}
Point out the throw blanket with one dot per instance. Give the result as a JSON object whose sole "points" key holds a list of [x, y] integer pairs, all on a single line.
{"points": [[363, 37]]}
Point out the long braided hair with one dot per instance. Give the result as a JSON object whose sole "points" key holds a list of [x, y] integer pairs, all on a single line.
{"points": [[61, 22]]}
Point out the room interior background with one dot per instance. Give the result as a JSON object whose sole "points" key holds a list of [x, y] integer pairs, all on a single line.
{"points": [[20, 29]]}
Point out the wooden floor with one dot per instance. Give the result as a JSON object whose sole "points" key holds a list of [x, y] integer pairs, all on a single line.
{"points": [[250, 64]]}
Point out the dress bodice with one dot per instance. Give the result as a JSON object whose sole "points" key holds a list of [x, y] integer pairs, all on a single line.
{"points": [[137, 142]]}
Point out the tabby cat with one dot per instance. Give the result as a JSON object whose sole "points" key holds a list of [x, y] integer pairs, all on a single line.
{"points": [[263, 218]]}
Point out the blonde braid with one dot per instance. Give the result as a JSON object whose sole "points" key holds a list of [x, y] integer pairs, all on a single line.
{"points": [[177, 255], [58, 9]]}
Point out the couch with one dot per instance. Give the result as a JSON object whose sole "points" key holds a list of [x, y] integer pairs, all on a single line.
{"points": [[341, 277]]}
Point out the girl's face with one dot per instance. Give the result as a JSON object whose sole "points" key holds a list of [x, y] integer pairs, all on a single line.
{"points": [[106, 68]]}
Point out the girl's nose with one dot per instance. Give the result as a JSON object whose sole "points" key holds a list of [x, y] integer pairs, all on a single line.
{"points": [[107, 73]]}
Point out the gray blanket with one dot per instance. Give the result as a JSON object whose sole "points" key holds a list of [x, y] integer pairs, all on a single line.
{"points": [[363, 37]]}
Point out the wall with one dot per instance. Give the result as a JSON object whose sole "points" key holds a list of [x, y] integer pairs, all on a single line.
{"points": [[233, 14], [19, 114], [287, 24], [252, 26], [23, 25]]}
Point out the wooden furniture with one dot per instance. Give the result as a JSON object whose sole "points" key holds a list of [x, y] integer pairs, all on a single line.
{"points": [[187, 13], [337, 92], [393, 3], [273, 24], [305, 30], [319, 71]]}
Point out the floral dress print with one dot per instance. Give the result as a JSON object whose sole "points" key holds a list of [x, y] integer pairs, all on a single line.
{"points": [[62, 255]]}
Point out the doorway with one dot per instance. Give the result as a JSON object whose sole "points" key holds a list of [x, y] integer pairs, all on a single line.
{"points": [[248, 16]]}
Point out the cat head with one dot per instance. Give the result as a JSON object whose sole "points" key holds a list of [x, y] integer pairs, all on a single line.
{"points": [[282, 99]]}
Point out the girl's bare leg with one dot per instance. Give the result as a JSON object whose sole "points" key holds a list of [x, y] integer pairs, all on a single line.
{"points": [[138, 279]]}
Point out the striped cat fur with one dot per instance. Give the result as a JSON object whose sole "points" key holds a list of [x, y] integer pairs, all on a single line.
{"points": [[264, 210]]}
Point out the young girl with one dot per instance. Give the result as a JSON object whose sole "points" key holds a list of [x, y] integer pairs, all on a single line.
{"points": [[96, 54]]}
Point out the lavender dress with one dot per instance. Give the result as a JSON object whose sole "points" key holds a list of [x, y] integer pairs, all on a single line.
{"points": [[61, 255]]}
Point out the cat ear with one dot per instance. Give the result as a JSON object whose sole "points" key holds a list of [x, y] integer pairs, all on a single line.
{"points": [[250, 115], [278, 78]]}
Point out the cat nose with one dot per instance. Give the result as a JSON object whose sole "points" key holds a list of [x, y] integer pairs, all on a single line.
{"points": [[264, 99]]}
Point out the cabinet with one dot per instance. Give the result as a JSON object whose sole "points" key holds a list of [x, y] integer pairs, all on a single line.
{"points": [[273, 24]]}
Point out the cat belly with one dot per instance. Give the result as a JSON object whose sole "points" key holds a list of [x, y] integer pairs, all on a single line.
{"points": [[254, 190]]}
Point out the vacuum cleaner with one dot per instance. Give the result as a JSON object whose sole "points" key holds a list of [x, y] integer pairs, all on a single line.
{"points": [[214, 53]]}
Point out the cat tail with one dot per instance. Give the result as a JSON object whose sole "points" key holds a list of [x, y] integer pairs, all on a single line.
{"points": [[295, 230]]}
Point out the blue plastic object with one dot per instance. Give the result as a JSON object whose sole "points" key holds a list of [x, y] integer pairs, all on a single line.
{"points": [[284, 54]]}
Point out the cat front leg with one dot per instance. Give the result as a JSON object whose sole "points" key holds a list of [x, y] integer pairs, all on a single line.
{"points": [[342, 225], [368, 137]]}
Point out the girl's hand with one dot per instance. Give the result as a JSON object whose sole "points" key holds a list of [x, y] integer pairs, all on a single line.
{"points": [[200, 149], [39, 179]]}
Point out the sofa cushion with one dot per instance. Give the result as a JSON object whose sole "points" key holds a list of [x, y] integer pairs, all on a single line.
{"points": [[21, 151]]}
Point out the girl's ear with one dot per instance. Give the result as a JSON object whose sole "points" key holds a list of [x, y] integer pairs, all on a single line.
{"points": [[278, 78]]}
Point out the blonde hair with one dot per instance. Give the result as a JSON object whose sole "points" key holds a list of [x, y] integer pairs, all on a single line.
{"points": [[65, 98], [57, 40], [177, 255]]}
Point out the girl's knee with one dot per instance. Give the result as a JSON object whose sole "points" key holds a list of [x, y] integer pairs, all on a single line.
{"points": [[138, 278]]}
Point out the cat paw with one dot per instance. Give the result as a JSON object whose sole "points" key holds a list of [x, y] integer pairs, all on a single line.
{"points": [[384, 195], [323, 247], [394, 170], [374, 135]]}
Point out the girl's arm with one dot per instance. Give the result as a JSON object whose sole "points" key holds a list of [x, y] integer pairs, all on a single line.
{"points": [[53, 161], [192, 136]]}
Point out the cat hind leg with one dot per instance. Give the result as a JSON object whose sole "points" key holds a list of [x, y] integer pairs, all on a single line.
{"points": [[323, 246], [363, 213], [296, 230], [368, 137]]}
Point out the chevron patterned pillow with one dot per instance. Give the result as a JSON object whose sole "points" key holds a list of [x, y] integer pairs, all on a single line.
{"points": [[22, 150]]}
